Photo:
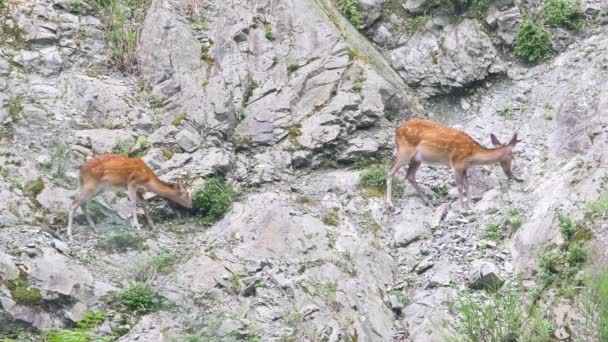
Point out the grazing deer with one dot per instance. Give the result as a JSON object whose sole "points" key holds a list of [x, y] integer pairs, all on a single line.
{"points": [[123, 173], [424, 141]]}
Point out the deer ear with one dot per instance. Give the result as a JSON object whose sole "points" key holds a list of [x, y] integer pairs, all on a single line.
{"points": [[495, 140], [514, 140]]}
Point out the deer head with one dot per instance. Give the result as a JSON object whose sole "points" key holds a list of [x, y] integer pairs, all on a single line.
{"points": [[507, 159], [182, 195]]}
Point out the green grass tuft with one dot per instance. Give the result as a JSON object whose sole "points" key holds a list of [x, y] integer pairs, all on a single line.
{"points": [[139, 298], [213, 201]]}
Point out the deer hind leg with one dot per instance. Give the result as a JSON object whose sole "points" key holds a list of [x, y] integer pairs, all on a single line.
{"points": [[411, 176], [466, 185], [402, 157], [85, 195], [83, 206], [132, 191], [146, 212]]}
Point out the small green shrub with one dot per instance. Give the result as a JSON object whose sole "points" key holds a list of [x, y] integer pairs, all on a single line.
{"points": [[563, 13], [533, 42], [34, 187], [442, 190], [567, 227], [576, 254], [492, 232], [179, 118], [331, 218], [374, 177], [213, 201], [158, 264], [139, 298], [268, 31], [120, 147], [21, 293], [597, 209], [121, 242], [349, 10], [549, 262], [513, 220], [499, 317], [75, 7], [15, 107], [416, 24]]}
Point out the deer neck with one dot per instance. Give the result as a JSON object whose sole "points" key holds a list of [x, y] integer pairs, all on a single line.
{"points": [[485, 156], [162, 189]]}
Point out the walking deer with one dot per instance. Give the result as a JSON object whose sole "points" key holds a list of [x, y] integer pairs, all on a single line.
{"points": [[424, 141], [119, 172]]}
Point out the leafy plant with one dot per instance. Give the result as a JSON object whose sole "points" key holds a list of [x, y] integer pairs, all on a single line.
{"points": [[122, 241], [331, 218], [179, 118], [513, 220], [563, 13], [374, 178], [268, 31], [146, 271], [122, 32], [120, 147], [75, 7], [597, 209], [595, 305], [536, 328], [533, 42], [495, 317], [349, 10], [213, 201], [139, 298], [15, 107], [21, 292], [492, 232]]}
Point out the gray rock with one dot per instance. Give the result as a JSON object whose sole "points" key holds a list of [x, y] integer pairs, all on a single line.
{"points": [[8, 269], [442, 275], [484, 275], [371, 10], [396, 302], [462, 54], [424, 265], [438, 214], [61, 247], [103, 140], [55, 199], [417, 6], [507, 25], [412, 224], [503, 4], [188, 140]]}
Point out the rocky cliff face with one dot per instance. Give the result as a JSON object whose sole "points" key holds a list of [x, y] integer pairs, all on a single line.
{"points": [[286, 99]]}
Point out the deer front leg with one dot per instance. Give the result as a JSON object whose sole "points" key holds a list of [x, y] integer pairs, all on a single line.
{"points": [[459, 176], [389, 180], [146, 211], [132, 190]]}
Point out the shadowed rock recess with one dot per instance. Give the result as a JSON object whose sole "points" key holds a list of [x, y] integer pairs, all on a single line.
{"points": [[294, 105]]}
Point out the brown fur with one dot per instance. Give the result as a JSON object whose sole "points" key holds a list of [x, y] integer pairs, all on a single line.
{"points": [[423, 141], [131, 174]]}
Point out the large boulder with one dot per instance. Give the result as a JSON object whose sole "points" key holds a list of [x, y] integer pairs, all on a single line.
{"points": [[439, 63]]}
